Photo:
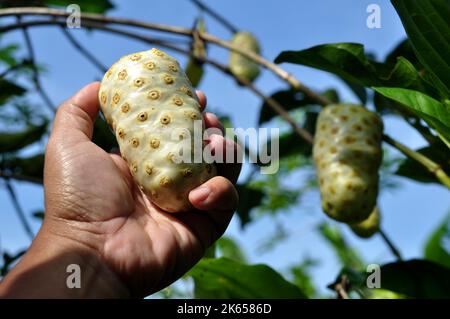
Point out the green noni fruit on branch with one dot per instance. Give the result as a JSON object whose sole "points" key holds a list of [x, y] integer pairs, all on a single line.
{"points": [[150, 105], [240, 65], [347, 154]]}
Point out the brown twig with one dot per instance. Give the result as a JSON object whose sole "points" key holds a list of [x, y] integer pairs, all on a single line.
{"points": [[227, 24], [341, 288], [390, 244], [35, 77], [19, 210], [89, 56]]}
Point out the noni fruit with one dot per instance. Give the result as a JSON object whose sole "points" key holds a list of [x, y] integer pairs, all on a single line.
{"points": [[240, 65], [368, 227], [347, 155], [151, 107]]}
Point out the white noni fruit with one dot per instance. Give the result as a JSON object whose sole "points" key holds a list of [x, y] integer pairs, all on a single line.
{"points": [[151, 107], [347, 155]]}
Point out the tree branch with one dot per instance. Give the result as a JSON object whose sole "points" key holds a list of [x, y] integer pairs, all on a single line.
{"points": [[35, 77], [89, 56], [19, 210], [430, 165], [390, 244], [227, 24]]}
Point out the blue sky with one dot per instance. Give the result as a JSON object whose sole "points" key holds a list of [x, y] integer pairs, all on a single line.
{"points": [[409, 213]]}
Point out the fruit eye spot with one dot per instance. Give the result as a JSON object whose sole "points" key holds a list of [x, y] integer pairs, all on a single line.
{"points": [[193, 115], [142, 116], [103, 98], [170, 157], [334, 130], [154, 143], [344, 118], [149, 169], [332, 190], [165, 120], [168, 79], [349, 140], [135, 57], [157, 52], [165, 181], [323, 127], [185, 90], [133, 168], [187, 172], [116, 98], [333, 150], [154, 95], [134, 142], [357, 127], [321, 143], [121, 133], [125, 108], [150, 65], [173, 68], [139, 82], [122, 75], [177, 101]]}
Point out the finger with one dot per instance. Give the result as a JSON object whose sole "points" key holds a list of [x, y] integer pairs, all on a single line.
{"points": [[212, 121], [216, 194], [74, 120], [228, 156], [201, 99]]}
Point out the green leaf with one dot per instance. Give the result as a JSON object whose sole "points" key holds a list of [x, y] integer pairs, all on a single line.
{"points": [[7, 54], [346, 254], [428, 28], [8, 90], [103, 136], [302, 277], [416, 279], [436, 114], [412, 169], [228, 248], [10, 142], [249, 198], [194, 68], [437, 247], [404, 49], [225, 278], [32, 166], [98, 6], [349, 61], [194, 71]]}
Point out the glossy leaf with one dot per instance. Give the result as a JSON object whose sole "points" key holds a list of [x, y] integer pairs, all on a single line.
{"points": [[416, 279], [349, 61], [10, 142], [437, 247], [427, 24], [412, 169], [225, 278], [228, 248], [436, 114], [7, 54]]}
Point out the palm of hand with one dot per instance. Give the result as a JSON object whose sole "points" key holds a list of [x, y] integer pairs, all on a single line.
{"points": [[95, 193]]}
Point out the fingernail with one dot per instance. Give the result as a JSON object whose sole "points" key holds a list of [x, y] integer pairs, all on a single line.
{"points": [[201, 193]]}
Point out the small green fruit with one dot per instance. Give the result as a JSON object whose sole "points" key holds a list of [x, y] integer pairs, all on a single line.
{"points": [[239, 64], [368, 227]]}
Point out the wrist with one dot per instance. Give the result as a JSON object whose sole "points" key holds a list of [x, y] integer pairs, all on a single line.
{"points": [[58, 266]]}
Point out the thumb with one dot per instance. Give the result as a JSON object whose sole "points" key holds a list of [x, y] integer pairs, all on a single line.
{"points": [[74, 120]]}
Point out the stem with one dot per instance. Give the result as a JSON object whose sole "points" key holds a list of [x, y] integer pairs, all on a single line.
{"points": [[281, 73], [89, 56], [432, 167], [19, 210], [391, 246], [227, 24], [35, 77]]}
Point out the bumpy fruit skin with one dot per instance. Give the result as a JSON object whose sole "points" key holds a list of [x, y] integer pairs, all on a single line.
{"points": [[151, 107], [240, 65], [347, 155], [367, 228]]}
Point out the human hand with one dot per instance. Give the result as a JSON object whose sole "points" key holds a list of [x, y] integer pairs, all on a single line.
{"points": [[93, 207]]}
